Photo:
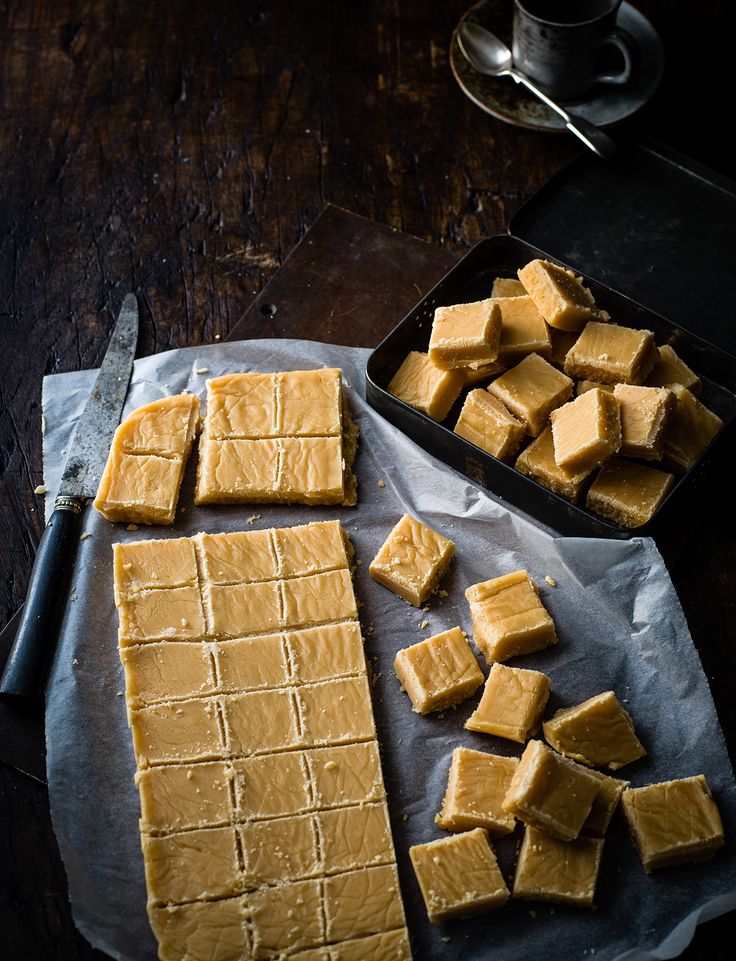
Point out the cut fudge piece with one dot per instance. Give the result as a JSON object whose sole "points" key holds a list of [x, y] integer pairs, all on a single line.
{"points": [[523, 330], [669, 369], [439, 672], [236, 609], [512, 703], [348, 774], [604, 806], [612, 354], [175, 797], [211, 930], [362, 902], [465, 334], [241, 405], [166, 671], [336, 712], [179, 732], [145, 565], [485, 422], [238, 558], [311, 548], [192, 866], [279, 850], [507, 287], [252, 663], [560, 871], [312, 470], [271, 786], [412, 560], [354, 837], [598, 732], [310, 403], [673, 822], [320, 653], [285, 917], [236, 471], [172, 614], [476, 787], [628, 493], [318, 598], [586, 431], [386, 946], [538, 462], [531, 391], [144, 470], [551, 792], [559, 295], [421, 384], [458, 876], [258, 722], [689, 431], [508, 617], [644, 415]]}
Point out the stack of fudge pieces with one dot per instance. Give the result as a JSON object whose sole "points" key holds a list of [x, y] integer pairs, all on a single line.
{"points": [[539, 340]]}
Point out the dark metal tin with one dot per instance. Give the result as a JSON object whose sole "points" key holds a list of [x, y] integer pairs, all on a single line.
{"points": [[471, 279]]}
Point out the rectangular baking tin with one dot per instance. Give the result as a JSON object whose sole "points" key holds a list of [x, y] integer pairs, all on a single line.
{"points": [[470, 280]]}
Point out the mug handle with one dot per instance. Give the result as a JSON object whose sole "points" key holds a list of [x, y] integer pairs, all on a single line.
{"points": [[624, 43]]}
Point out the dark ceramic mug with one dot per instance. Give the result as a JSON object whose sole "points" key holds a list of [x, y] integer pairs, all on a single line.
{"points": [[562, 44]]}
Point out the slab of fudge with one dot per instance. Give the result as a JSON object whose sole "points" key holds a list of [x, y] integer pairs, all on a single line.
{"points": [[512, 703], [689, 431], [458, 876], [670, 368], [564, 872], [586, 431], [439, 672], [508, 287], [412, 560], [538, 462], [508, 617], [531, 391], [486, 422], [560, 295], [465, 335], [612, 354], [144, 470], [673, 822], [598, 732], [476, 786], [645, 412], [421, 384], [628, 493], [523, 330]]}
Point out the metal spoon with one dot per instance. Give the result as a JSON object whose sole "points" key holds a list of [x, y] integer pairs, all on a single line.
{"points": [[490, 56]]}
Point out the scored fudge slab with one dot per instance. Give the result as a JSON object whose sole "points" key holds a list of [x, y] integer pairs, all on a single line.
{"points": [[670, 369], [598, 732], [439, 672], [141, 480], [673, 822], [561, 871], [465, 334], [421, 384], [523, 330], [604, 806], [586, 431], [559, 295], [476, 787], [612, 354], [412, 560], [551, 792], [531, 391], [538, 462], [689, 431], [485, 422], [458, 876], [645, 412], [508, 617], [508, 287], [512, 703], [628, 493]]}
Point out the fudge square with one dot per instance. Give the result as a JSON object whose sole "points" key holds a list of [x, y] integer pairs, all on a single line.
{"points": [[512, 703], [560, 871], [465, 335], [690, 429], [586, 431], [531, 391], [538, 462], [673, 822], [439, 672], [559, 295], [476, 787], [458, 876], [421, 384], [508, 617], [551, 792], [485, 422], [628, 493], [523, 330], [598, 732], [412, 560], [645, 412], [611, 354]]}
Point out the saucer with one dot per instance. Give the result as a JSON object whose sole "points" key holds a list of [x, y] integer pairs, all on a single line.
{"points": [[510, 102]]}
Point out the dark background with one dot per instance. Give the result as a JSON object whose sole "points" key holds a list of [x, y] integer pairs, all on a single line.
{"points": [[180, 150]]}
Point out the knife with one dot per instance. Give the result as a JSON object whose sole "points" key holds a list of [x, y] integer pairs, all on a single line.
{"points": [[30, 656]]}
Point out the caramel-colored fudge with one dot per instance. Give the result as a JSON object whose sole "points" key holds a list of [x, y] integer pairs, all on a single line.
{"points": [[538, 462], [439, 672], [475, 375], [412, 560], [512, 703], [508, 617], [311, 548], [645, 412], [586, 431], [362, 902], [551, 792], [336, 712], [598, 732], [689, 431], [673, 822], [175, 797], [328, 651], [465, 335], [192, 866], [612, 354], [183, 731], [348, 774], [508, 287], [559, 295], [215, 930], [166, 672], [586, 385], [285, 916], [523, 330], [144, 470], [476, 787], [458, 876], [485, 422], [271, 785], [561, 871], [670, 368], [531, 391], [387, 946], [421, 384], [628, 493], [606, 801], [145, 565]]}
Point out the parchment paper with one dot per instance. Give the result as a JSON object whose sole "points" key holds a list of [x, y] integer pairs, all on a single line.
{"points": [[620, 626]]}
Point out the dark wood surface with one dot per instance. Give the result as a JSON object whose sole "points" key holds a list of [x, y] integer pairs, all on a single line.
{"points": [[181, 150]]}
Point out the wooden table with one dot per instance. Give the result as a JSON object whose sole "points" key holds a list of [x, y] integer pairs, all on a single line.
{"points": [[180, 150]]}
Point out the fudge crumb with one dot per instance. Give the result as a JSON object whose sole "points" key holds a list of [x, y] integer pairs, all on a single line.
{"points": [[132, 527], [202, 370], [381, 484], [43, 425], [532, 914], [405, 817], [217, 336], [253, 518], [118, 693], [551, 581], [442, 594], [75, 662], [424, 623], [84, 535], [41, 489]]}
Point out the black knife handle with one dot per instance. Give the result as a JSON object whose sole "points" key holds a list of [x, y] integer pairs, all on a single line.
{"points": [[30, 656]]}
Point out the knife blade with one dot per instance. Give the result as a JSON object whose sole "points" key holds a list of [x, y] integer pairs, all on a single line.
{"points": [[27, 665]]}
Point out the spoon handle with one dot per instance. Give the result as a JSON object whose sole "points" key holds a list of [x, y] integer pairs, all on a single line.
{"points": [[593, 137]]}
